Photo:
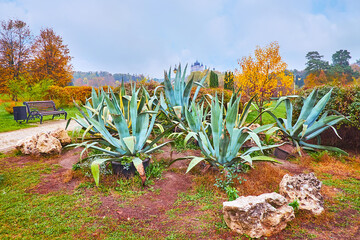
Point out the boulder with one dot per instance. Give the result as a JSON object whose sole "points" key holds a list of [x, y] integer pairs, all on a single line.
{"points": [[257, 216], [44, 143], [306, 189], [62, 135], [28, 145], [47, 144]]}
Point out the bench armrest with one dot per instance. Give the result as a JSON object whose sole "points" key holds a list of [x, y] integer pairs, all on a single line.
{"points": [[34, 113]]}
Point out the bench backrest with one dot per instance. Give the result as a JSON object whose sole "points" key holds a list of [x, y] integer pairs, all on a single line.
{"points": [[41, 106]]}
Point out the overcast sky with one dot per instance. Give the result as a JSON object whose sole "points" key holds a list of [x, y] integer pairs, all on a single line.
{"points": [[149, 36]]}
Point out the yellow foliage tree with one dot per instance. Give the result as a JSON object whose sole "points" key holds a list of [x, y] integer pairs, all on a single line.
{"points": [[263, 75]]}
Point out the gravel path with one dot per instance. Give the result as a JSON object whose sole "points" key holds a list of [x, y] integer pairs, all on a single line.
{"points": [[8, 140]]}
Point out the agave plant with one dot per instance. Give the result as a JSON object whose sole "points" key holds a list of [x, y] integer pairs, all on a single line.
{"points": [[177, 95], [133, 123], [221, 139], [308, 126]]}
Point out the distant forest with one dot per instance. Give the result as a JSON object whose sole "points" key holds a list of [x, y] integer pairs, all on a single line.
{"points": [[98, 79]]}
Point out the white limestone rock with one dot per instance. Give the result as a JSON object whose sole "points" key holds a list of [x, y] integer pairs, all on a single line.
{"points": [[306, 189], [28, 145], [257, 216], [62, 135], [47, 144]]}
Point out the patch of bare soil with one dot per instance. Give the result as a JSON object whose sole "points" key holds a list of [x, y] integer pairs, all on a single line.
{"points": [[60, 180], [151, 204], [291, 167], [169, 155]]}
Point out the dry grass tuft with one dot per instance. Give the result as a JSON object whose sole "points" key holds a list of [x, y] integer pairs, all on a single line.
{"points": [[264, 178], [342, 167]]}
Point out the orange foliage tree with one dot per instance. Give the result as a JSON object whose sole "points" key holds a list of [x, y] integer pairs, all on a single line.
{"points": [[315, 79], [51, 59], [15, 42], [264, 75]]}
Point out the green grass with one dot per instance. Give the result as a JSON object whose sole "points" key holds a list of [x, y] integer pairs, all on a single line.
{"points": [[350, 191], [28, 215], [7, 122], [280, 111]]}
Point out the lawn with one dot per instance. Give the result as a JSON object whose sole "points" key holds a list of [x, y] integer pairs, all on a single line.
{"points": [[41, 200], [7, 122]]}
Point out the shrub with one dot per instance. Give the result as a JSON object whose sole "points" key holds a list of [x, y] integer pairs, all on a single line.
{"points": [[344, 99], [63, 96], [9, 106]]}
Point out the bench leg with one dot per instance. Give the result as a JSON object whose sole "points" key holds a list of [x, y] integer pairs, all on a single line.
{"points": [[41, 119], [65, 115]]}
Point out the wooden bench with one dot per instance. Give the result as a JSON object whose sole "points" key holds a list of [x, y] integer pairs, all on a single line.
{"points": [[38, 109]]}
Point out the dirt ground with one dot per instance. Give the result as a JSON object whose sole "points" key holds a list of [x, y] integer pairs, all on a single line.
{"points": [[153, 207]]}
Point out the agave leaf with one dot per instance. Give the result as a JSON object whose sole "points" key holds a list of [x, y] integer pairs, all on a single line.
{"points": [[188, 136], [156, 147], [224, 147], [265, 158], [319, 107], [199, 86], [142, 124], [289, 113], [263, 128], [161, 128], [309, 103], [231, 115], [329, 148], [194, 162], [205, 145], [321, 125], [86, 131], [216, 124], [255, 149], [256, 139], [169, 91], [245, 112], [105, 133], [153, 118], [138, 163], [281, 99], [270, 132], [246, 158], [95, 169], [130, 143]]}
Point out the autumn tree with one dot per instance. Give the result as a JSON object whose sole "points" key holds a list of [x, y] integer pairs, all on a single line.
{"points": [[314, 79], [264, 75], [15, 43], [229, 80], [51, 59]]}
